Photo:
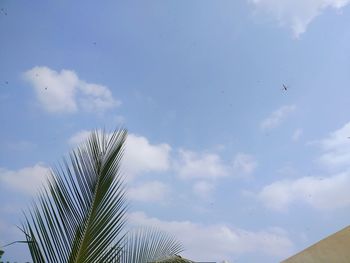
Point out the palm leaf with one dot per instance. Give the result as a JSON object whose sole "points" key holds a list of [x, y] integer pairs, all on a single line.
{"points": [[82, 210], [145, 245], [175, 259]]}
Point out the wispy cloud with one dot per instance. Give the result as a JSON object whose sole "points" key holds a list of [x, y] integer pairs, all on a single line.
{"points": [[219, 241], [140, 155], [277, 117], [26, 180], [296, 14], [200, 165], [79, 137], [297, 135], [243, 164], [322, 193], [197, 165], [154, 191], [336, 148], [203, 189], [64, 92]]}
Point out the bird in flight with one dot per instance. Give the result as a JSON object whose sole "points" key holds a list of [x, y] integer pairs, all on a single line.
{"points": [[285, 87]]}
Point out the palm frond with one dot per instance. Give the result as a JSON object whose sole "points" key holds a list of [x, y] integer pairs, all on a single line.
{"points": [[82, 210], [145, 245], [174, 259]]}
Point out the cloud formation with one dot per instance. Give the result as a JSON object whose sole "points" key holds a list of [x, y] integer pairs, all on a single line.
{"points": [[200, 165], [243, 164], [336, 148], [196, 165], [297, 135], [26, 180], [140, 155], [322, 193], [203, 189], [64, 92], [277, 117], [219, 241], [154, 191], [79, 137], [296, 14]]}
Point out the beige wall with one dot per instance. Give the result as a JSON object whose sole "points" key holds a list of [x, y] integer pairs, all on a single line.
{"points": [[333, 249]]}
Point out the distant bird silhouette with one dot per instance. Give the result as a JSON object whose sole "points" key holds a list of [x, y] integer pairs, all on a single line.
{"points": [[285, 87]]}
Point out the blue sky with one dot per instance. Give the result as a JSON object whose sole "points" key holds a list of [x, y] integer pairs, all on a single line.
{"points": [[218, 154]]}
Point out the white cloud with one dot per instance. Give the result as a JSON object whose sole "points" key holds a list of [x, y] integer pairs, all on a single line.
{"points": [[200, 165], [276, 117], [96, 97], [335, 159], [297, 134], [219, 241], [140, 155], [79, 137], [192, 165], [337, 138], [296, 14], [336, 148], [26, 180], [322, 193], [244, 164], [325, 193], [154, 191], [203, 189], [64, 92]]}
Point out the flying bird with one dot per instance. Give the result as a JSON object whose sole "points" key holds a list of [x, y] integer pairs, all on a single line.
{"points": [[285, 87]]}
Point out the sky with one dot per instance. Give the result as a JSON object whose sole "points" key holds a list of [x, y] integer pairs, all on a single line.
{"points": [[218, 153]]}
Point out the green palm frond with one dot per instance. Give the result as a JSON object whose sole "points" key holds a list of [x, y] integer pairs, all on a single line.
{"points": [[174, 259], [82, 211], [146, 245]]}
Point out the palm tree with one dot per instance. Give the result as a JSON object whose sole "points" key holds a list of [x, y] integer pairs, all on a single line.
{"points": [[80, 215]]}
